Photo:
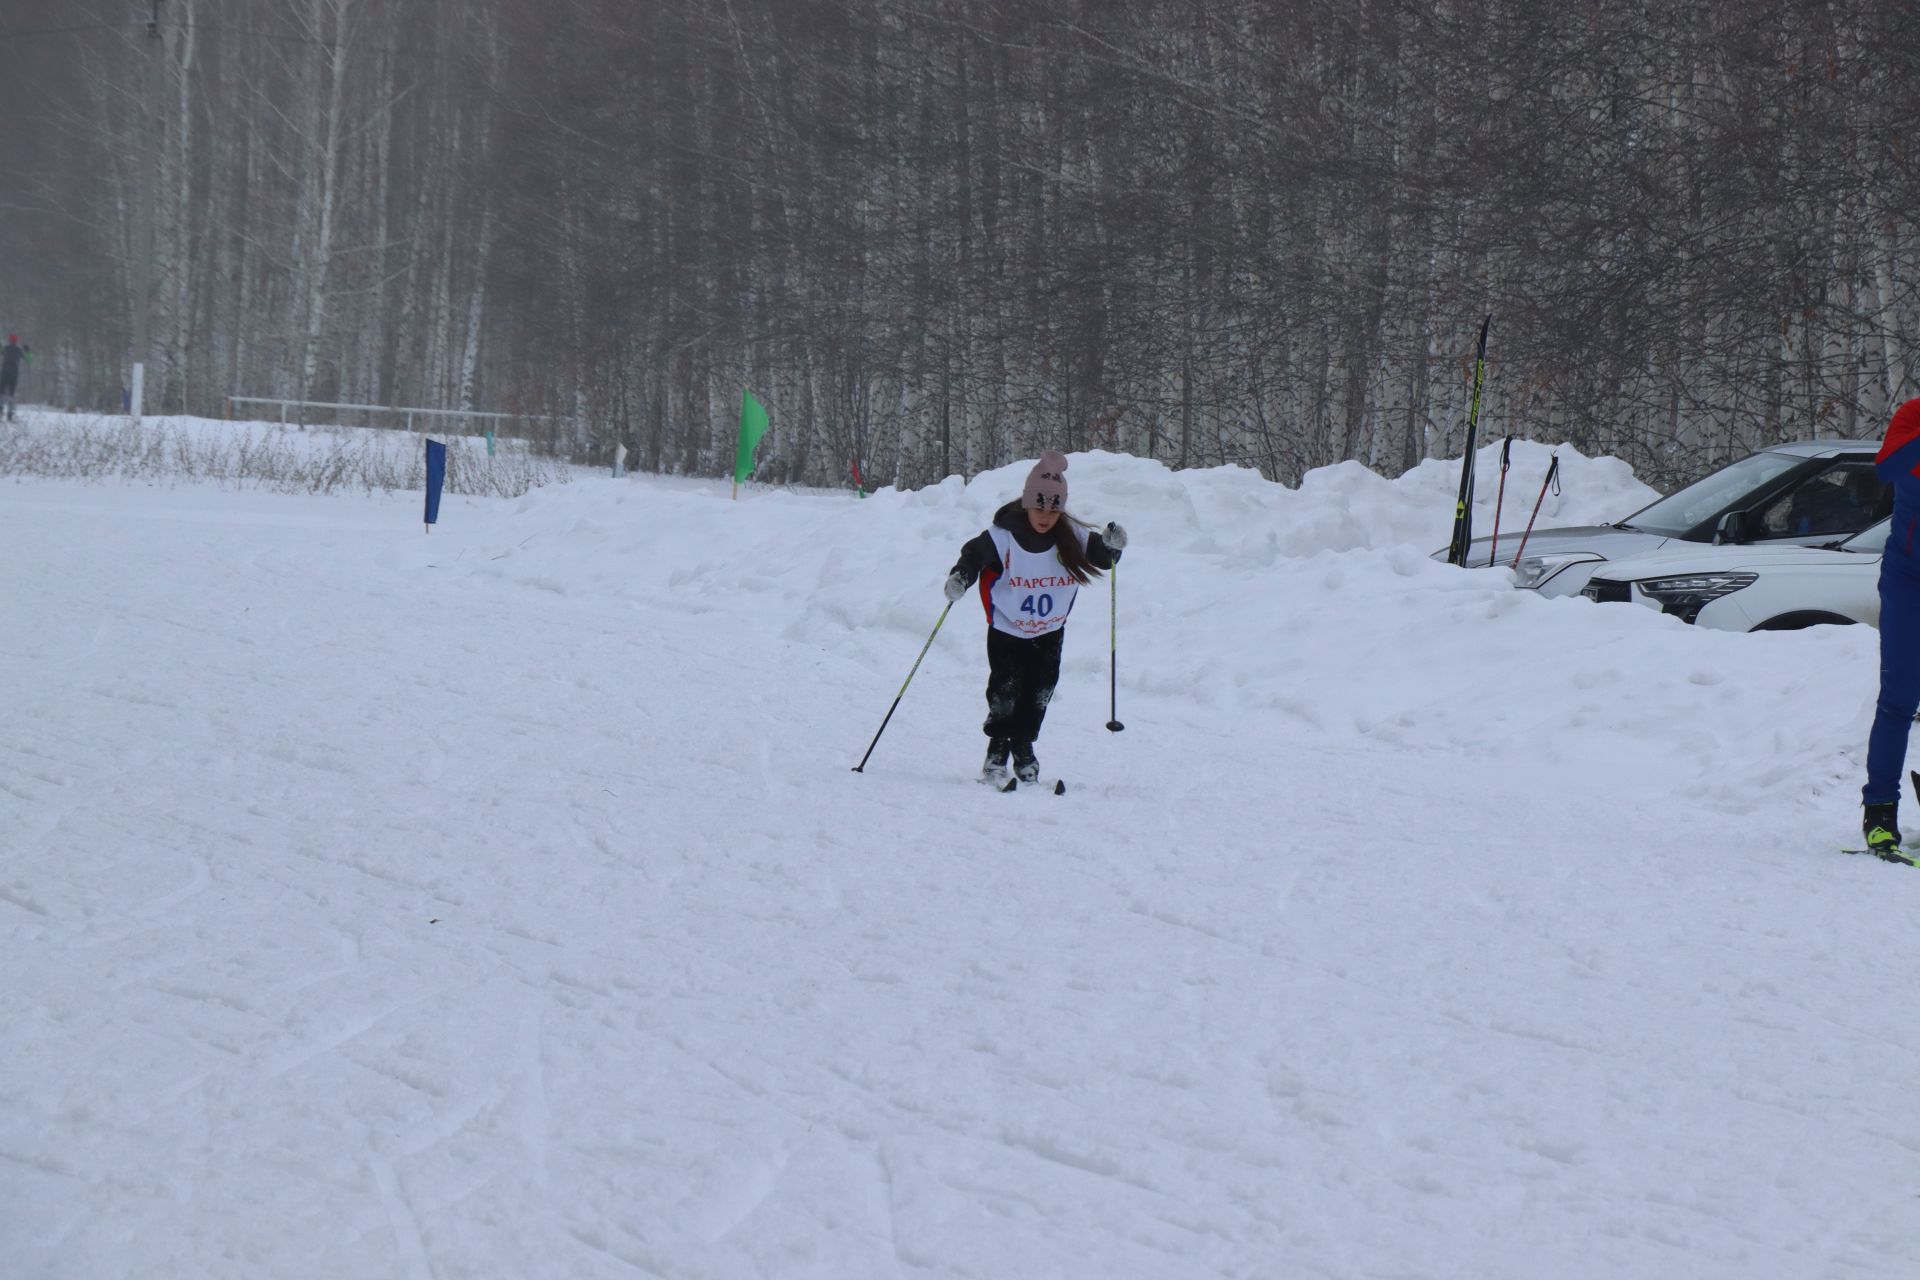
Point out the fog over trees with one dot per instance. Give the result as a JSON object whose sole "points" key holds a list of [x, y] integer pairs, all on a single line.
{"points": [[934, 238]]}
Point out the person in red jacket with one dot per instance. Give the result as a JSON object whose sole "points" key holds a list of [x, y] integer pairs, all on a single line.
{"points": [[1030, 564], [1898, 464]]}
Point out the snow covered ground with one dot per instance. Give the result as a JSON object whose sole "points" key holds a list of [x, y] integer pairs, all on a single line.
{"points": [[500, 902]]}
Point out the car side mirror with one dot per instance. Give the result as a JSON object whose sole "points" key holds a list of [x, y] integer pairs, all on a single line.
{"points": [[1735, 526]]}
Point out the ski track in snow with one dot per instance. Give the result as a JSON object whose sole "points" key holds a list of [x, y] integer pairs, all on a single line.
{"points": [[501, 903]]}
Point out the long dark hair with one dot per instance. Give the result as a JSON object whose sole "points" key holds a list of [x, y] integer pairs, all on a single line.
{"points": [[1073, 556]]}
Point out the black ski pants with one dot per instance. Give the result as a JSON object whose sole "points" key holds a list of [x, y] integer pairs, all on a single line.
{"points": [[1021, 674]]}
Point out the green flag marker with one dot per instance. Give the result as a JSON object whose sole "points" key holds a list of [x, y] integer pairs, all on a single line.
{"points": [[753, 425]]}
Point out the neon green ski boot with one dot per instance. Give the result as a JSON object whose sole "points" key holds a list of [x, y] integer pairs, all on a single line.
{"points": [[1881, 824]]}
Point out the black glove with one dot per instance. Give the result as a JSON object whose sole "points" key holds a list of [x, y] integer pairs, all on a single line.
{"points": [[956, 585], [1114, 536]]}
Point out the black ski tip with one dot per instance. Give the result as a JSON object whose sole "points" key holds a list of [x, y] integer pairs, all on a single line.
{"points": [[1914, 774], [1114, 726], [1013, 784], [1060, 787]]}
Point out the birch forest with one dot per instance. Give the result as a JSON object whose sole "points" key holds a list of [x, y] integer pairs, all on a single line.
{"points": [[935, 238]]}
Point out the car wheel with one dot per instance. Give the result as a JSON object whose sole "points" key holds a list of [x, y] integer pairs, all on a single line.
{"points": [[1801, 621]]}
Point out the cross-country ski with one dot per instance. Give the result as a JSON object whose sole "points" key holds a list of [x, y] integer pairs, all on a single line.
{"points": [[1057, 786]]}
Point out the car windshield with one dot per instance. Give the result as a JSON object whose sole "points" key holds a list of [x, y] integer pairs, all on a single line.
{"points": [[1679, 514]]}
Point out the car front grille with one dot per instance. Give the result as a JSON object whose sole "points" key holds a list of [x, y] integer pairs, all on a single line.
{"points": [[1603, 591]]}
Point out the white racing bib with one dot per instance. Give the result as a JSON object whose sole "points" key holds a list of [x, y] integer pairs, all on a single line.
{"points": [[1034, 592]]}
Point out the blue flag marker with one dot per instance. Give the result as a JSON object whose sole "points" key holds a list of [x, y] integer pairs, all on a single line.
{"points": [[436, 477]]}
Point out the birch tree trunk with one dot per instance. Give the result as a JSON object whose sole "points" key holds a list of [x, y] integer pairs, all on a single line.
{"points": [[331, 22]]}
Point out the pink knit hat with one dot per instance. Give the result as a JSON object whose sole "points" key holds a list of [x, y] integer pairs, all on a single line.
{"points": [[1047, 483]]}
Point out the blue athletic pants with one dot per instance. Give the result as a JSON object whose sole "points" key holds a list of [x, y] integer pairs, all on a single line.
{"points": [[1899, 682]]}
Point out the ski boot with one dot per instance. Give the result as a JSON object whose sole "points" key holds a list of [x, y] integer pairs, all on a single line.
{"points": [[1025, 766], [994, 768], [1881, 825]]}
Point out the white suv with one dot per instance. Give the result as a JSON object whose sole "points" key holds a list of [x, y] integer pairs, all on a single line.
{"points": [[1810, 492], [1755, 588]]}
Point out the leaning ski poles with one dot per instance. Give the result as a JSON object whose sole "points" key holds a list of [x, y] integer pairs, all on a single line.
{"points": [[862, 766], [1463, 505], [1553, 478], [1500, 498]]}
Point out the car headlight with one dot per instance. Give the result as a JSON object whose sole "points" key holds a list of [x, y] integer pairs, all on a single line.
{"points": [[1534, 571], [1685, 595]]}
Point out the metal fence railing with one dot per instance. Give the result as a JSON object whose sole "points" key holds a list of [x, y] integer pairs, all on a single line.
{"points": [[406, 413]]}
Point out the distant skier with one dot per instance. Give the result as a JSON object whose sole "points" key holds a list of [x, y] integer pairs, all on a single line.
{"points": [[1030, 564], [11, 357], [1898, 464]]}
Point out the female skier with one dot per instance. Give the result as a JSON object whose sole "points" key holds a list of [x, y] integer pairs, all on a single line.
{"points": [[1030, 565]]}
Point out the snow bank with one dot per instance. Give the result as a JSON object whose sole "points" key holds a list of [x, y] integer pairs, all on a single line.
{"points": [[1319, 605]]}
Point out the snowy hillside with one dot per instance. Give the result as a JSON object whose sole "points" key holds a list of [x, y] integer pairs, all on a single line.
{"points": [[501, 902]]}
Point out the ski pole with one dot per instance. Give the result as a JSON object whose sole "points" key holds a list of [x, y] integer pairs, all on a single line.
{"points": [[1113, 650], [1113, 633], [1553, 475], [1500, 496], [862, 766]]}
